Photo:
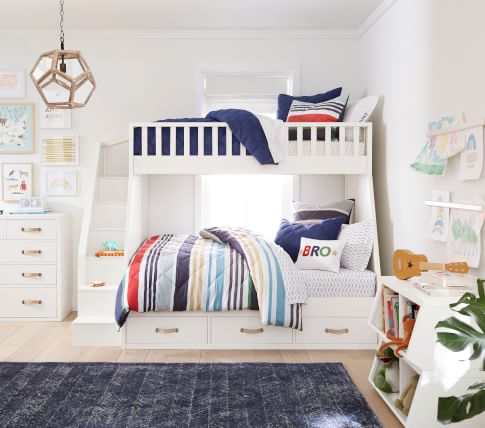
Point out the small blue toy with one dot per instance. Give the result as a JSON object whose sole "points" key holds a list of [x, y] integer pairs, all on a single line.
{"points": [[111, 245]]}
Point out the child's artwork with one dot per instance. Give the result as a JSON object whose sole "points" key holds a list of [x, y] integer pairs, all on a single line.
{"points": [[60, 182], [16, 181], [471, 161], [16, 128], [440, 217], [464, 242], [433, 157]]}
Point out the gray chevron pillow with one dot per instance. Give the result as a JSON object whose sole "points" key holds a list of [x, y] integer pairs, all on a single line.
{"points": [[360, 240]]}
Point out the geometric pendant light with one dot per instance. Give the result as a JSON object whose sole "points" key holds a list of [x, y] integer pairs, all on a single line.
{"points": [[63, 77]]}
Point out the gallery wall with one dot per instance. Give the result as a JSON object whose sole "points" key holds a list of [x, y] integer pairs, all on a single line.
{"points": [[421, 56]]}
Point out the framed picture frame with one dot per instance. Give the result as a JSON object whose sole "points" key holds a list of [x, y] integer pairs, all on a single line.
{"points": [[60, 181], [54, 118], [58, 150], [17, 181], [17, 128], [12, 84]]}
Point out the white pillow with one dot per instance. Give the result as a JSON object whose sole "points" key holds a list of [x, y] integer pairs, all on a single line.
{"points": [[321, 255], [359, 238], [360, 110]]}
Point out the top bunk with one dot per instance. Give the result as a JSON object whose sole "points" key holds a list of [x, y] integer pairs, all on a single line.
{"points": [[203, 148]]}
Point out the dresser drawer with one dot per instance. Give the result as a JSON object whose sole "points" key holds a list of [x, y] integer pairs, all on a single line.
{"points": [[27, 251], [28, 302], [166, 330], [28, 274], [247, 330], [335, 331], [31, 229], [2, 229]]}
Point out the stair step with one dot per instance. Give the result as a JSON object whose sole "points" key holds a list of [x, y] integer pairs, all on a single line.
{"points": [[106, 229], [95, 331], [93, 302], [112, 189], [108, 215], [107, 269]]}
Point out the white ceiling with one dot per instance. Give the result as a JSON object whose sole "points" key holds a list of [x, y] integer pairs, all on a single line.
{"points": [[187, 14]]}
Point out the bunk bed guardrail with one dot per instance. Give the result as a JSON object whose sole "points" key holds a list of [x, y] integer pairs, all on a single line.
{"points": [[313, 147]]}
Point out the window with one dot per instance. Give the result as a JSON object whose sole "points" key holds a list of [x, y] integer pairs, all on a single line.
{"points": [[255, 91], [257, 202]]}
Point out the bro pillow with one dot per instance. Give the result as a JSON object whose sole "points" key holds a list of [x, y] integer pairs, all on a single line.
{"points": [[289, 234], [321, 255]]}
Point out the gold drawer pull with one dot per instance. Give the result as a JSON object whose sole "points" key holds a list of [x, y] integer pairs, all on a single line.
{"points": [[31, 274], [251, 330], [336, 331], [166, 330], [31, 252], [31, 302], [31, 229]]}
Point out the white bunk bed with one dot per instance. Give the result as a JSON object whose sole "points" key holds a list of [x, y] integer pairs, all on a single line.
{"points": [[328, 323]]}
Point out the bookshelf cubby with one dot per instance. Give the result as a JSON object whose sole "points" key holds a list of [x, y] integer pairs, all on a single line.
{"points": [[441, 372]]}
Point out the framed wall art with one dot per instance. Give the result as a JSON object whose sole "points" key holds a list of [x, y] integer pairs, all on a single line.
{"points": [[17, 128], [59, 150], [17, 181], [60, 181], [12, 84], [54, 118]]}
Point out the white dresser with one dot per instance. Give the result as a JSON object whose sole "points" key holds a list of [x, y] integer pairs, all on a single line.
{"points": [[35, 267]]}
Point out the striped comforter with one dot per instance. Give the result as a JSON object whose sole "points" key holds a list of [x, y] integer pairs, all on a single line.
{"points": [[224, 269]]}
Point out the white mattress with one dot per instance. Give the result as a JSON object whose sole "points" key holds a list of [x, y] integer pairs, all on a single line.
{"points": [[347, 283]]}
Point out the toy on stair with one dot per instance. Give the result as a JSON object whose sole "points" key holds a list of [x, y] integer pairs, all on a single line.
{"points": [[387, 377], [400, 343], [403, 403], [110, 249]]}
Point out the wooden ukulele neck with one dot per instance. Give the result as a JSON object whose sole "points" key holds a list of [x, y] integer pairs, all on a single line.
{"points": [[431, 266]]}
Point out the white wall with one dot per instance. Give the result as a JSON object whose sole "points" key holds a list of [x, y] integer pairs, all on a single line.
{"points": [[142, 77], [422, 56]]}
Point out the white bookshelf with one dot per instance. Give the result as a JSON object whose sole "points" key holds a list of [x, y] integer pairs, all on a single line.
{"points": [[441, 372]]}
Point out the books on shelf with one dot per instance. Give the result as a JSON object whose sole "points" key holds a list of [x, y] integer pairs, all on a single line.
{"points": [[447, 279], [390, 311], [393, 312]]}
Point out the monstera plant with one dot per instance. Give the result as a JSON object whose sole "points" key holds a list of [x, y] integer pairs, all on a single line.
{"points": [[457, 335]]}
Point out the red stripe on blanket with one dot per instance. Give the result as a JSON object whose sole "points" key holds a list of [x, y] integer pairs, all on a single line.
{"points": [[311, 118], [134, 275]]}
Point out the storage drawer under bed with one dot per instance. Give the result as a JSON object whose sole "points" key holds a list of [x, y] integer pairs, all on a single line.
{"points": [[166, 330], [325, 330], [247, 330]]}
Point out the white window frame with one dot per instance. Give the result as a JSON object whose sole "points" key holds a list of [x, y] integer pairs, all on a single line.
{"points": [[292, 71]]}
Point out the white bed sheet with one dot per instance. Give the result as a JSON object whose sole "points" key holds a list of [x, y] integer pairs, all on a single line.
{"points": [[347, 283]]}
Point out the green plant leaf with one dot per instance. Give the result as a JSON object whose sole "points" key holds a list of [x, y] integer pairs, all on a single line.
{"points": [[458, 336], [456, 409]]}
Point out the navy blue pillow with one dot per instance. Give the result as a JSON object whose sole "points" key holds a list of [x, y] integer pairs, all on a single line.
{"points": [[289, 234], [284, 101]]}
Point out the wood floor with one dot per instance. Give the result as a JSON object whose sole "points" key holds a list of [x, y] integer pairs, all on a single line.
{"points": [[51, 341]]}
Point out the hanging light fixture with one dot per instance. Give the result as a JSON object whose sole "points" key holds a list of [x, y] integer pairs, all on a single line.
{"points": [[63, 77]]}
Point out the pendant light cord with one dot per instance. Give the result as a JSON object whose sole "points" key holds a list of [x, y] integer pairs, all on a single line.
{"points": [[61, 23]]}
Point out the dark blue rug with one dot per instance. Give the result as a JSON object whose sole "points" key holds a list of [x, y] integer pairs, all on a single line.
{"points": [[180, 395]]}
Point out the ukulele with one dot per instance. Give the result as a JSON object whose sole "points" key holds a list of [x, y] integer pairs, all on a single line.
{"points": [[406, 264]]}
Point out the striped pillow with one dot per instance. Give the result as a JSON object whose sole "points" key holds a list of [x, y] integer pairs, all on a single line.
{"points": [[328, 111], [311, 213]]}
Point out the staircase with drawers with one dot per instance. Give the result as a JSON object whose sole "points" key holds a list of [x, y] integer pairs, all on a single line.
{"points": [[35, 267], [103, 220]]}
